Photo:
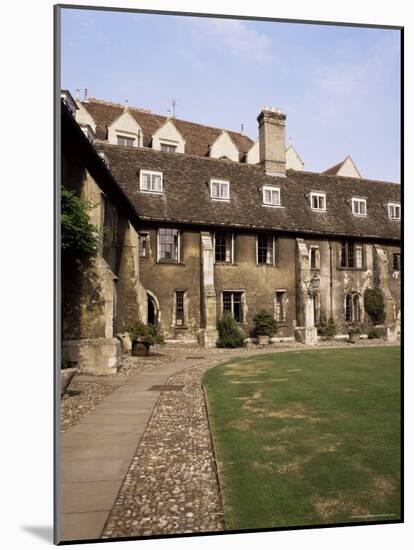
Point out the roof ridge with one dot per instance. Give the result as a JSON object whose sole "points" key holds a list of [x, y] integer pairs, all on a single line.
{"points": [[149, 112]]}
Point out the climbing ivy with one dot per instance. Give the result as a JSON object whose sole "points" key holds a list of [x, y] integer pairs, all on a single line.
{"points": [[79, 238]]}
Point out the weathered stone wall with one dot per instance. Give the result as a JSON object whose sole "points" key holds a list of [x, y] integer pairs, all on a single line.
{"points": [[163, 279]]}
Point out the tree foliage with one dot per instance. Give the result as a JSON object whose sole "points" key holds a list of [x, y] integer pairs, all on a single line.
{"points": [[230, 335], [265, 324], [374, 305], [79, 238]]}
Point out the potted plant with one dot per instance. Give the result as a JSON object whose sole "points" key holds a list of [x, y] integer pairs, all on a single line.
{"points": [[353, 332], [265, 327], [143, 337], [67, 372]]}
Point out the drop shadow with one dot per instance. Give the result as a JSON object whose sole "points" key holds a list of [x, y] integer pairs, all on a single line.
{"points": [[42, 532]]}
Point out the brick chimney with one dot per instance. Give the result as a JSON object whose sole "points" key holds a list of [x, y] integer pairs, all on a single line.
{"points": [[272, 140]]}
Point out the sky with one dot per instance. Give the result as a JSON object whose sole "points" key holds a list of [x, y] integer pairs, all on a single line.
{"points": [[338, 86]]}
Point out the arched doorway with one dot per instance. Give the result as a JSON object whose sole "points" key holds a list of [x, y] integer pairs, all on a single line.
{"points": [[153, 310]]}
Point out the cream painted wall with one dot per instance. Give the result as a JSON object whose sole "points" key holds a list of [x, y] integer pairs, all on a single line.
{"points": [[224, 147], [348, 169], [293, 160], [126, 125], [253, 155], [168, 134], [83, 117]]}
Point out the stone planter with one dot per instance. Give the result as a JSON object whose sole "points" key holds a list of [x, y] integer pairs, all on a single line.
{"points": [[140, 349], [66, 376], [263, 340], [353, 338]]}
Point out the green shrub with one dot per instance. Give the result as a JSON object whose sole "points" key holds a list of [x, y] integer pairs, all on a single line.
{"points": [[354, 329], [374, 305], [327, 329], [230, 335], [373, 333], [146, 334], [265, 324], [79, 238]]}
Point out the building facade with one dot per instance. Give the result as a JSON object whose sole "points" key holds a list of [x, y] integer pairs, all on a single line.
{"points": [[231, 225]]}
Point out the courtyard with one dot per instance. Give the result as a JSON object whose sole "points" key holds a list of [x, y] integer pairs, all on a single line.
{"points": [[299, 436]]}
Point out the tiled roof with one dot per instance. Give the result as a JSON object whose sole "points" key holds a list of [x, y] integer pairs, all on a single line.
{"points": [[197, 136], [186, 197]]}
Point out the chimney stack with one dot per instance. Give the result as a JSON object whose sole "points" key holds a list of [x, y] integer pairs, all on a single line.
{"points": [[272, 141]]}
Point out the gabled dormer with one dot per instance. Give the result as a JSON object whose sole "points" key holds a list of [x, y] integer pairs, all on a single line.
{"points": [[125, 130], [224, 146], [293, 160], [84, 118], [167, 138], [346, 168], [253, 154]]}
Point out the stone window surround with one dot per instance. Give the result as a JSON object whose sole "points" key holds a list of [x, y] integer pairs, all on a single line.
{"points": [[146, 236], [127, 135], [179, 254], [152, 173], [185, 306], [317, 266], [283, 292], [318, 195], [355, 244], [353, 297], [243, 302], [356, 203]]}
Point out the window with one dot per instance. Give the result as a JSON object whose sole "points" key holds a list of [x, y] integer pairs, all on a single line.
{"points": [[280, 306], [150, 181], [168, 245], [125, 140], [271, 196], [314, 257], [351, 255], [179, 308], [144, 243], [168, 148], [220, 189], [223, 247], [352, 308], [318, 201], [233, 304], [394, 211], [359, 207], [396, 262], [265, 249]]}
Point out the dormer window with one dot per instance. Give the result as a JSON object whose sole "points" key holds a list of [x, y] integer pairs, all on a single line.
{"points": [[318, 201], [359, 207], [394, 211], [220, 189], [168, 148], [271, 195], [151, 182], [125, 140]]}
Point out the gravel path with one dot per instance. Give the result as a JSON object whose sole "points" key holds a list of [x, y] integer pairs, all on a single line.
{"points": [[171, 486]]}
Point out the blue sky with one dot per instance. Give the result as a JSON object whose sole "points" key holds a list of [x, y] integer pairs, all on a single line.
{"points": [[339, 86]]}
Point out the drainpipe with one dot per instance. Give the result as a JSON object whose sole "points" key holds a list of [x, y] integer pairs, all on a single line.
{"points": [[331, 277]]}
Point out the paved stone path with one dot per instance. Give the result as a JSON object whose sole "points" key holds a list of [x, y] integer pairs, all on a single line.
{"points": [[127, 473]]}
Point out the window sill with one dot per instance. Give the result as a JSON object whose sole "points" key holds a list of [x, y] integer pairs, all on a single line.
{"points": [[265, 265], [170, 262], [351, 268], [225, 263], [181, 327]]}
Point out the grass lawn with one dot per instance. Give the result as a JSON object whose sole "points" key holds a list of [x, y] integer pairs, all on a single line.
{"points": [[306, 438]]}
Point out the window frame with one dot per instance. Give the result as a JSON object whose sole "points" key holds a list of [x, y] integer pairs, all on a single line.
{"points": [[144, 236], [273, 262], [396, 259], [182, 316], [166, 260], [358, 201], [143, 173], [394, 205], [350, 299], [220, 182], [318, 195], [169, 145], [355, 245], [242, 304], [315, 248], [225, 262], [283, 293], [271, 188], [126, 136]]}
